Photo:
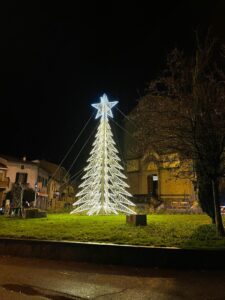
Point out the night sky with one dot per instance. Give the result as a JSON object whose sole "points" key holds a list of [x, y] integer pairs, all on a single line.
{"points": [[58, 58]]}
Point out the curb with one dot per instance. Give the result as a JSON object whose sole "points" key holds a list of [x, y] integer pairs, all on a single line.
{"points": [[113, 254]]}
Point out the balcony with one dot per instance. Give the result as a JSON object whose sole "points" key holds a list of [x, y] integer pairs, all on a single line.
{"points": [[4, 183]]}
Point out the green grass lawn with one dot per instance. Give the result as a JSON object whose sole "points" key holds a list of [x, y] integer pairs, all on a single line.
{"points": [[185, 231]]}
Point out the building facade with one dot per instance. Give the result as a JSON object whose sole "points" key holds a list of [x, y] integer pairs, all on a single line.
{"points": [[162, 179], [26, 173], [4, 181], [48, 180], [60, 191]]}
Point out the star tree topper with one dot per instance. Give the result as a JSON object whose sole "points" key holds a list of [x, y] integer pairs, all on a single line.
{"points": [[104, 107]]}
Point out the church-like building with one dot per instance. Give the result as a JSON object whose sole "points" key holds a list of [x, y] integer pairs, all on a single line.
{"points": [[163, 179]]}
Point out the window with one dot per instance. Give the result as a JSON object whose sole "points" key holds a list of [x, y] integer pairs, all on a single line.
{"points": [[21, 178]]}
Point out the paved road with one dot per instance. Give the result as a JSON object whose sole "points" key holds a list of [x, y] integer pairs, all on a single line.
{"points": [[33, 279]]}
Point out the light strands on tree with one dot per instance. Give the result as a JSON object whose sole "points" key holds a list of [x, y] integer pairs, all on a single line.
{"points": [[103, 190]]}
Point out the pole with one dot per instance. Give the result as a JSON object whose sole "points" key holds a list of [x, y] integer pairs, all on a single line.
{"points": [[21, 200]]}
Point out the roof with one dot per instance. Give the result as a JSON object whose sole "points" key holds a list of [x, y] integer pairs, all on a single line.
{"points": [[2, 166], [53, 169], [13, 159]]}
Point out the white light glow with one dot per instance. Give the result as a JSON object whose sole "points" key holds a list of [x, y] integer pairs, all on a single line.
{"points": [[104, 107], [103, 190]]}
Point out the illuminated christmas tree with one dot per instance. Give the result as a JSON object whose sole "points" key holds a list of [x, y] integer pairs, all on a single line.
{"points": [[103, 190]]}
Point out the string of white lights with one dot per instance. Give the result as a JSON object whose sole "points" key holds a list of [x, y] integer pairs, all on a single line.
{"points": [[103, 190]]}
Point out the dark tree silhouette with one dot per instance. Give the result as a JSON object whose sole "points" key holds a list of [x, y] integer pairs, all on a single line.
{"points": [[184, 112]]}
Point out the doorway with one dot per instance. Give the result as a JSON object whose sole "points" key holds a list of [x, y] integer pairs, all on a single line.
{"points": [[153, 183]]}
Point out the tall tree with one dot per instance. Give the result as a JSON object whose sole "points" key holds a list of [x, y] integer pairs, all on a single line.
{"points": [[184, 112]]}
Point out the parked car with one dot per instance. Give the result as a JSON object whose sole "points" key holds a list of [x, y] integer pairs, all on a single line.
{"points": [[222, 210]]}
